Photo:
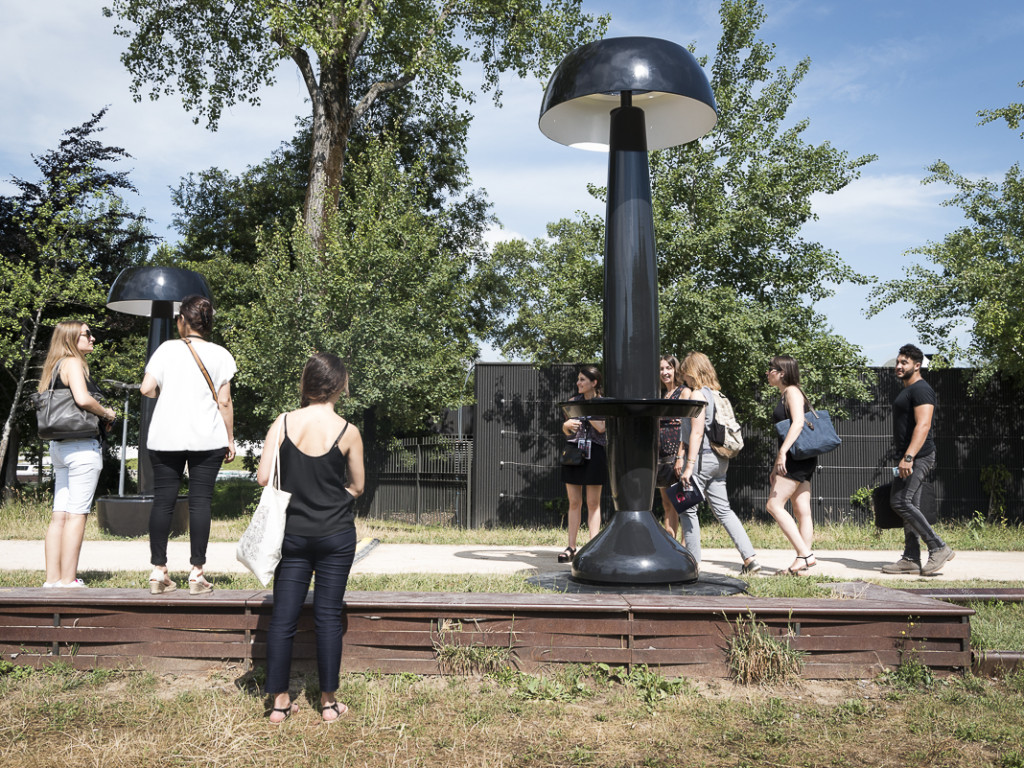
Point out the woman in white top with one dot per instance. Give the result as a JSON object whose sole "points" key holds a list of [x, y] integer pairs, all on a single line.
{"points": [[76, 461], [192, 426]]}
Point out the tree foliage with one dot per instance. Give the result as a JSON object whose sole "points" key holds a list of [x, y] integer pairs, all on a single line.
{"points": [[349, 55], [738, 280], [387, 293], [973, 285], [63, 239]]}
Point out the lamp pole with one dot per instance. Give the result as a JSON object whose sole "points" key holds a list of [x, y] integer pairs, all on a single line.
{"points": [[593, 98]]}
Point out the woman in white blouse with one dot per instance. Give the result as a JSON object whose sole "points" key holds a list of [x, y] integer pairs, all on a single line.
{"points": [[192, 425]]}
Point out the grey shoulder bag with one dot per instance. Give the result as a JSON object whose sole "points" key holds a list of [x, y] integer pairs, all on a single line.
{"points": [[58, 416]]}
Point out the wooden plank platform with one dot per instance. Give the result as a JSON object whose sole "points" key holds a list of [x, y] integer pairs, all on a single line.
{"points": [[860, 632]]}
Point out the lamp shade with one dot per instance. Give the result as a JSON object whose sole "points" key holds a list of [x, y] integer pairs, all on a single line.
{"points": [[137, 288], [665, 81]]}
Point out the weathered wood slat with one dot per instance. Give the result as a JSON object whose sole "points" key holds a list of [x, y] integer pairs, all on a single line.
{"points": [[394, 632]]}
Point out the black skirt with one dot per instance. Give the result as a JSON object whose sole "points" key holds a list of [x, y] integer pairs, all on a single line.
{"points": [[593, 471]]}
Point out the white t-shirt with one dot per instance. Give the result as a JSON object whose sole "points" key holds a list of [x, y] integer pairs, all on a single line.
{"points": [[186, 418]]}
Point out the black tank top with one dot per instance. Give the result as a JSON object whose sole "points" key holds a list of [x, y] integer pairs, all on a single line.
{"points": [[320, 504]]}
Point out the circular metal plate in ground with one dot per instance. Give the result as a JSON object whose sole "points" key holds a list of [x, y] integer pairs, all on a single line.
{"points": [[708, 585]]}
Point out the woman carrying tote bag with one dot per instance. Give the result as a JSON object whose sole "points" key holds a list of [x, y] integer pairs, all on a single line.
{"points": [[321, 463], [76, 461]]}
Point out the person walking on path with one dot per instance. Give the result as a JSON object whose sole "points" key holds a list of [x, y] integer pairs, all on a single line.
{"points": [[76, 461], [706, 468], [790, 478], [912, 413], [322, 467], [193, 424]]}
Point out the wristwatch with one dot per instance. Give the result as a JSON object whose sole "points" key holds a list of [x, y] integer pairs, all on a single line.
{"points": [[909, 457]]}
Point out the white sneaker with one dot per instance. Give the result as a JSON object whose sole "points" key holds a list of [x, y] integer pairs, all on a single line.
{"points": [[50, 584], [76, 584]]}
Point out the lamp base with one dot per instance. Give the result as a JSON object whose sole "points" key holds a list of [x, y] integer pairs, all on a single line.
{"points": [[128, 516], [634, 549]]}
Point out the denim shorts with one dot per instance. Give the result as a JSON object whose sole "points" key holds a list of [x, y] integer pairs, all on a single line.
{"points": [[76, 470]]}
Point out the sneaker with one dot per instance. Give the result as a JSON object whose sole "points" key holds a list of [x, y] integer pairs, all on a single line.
{"points": [[50, 584], [76, 584], [937, 559], [749, 569], [903, 565]]}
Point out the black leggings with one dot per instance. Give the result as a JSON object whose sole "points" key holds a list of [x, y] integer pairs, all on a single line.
{"points": [[168, 467]]}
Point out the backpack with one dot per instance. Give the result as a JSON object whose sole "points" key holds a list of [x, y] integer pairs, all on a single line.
{"points": [[724, 431]]}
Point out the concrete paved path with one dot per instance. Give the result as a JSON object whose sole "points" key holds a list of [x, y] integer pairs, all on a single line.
{"points": [[374, 557]]}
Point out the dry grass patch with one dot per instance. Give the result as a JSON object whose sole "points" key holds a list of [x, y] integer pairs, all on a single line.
{"points": [[604, 718]]}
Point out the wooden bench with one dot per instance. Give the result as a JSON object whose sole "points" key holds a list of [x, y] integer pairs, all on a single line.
{"points": [[858, 634]]}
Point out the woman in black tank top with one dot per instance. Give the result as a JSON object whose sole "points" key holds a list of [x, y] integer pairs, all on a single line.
{"points": [[791, 478], [322, 468]]}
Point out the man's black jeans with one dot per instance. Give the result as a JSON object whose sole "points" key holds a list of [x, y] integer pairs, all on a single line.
{"points": [[905, 500]]}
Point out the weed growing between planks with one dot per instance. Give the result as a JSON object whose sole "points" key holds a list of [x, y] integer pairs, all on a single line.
{"points": [[756, 656]]}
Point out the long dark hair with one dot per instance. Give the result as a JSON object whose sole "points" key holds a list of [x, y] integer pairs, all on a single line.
{"points": [[677, 374], [788, 367], [592, 373], [324, 377]]}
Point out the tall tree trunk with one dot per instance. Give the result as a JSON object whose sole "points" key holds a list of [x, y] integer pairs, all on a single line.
{"points": [[5, 439], [332, 122]]}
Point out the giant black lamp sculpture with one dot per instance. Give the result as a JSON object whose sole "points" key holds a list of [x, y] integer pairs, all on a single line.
{"points": [[630, 95], [156, 293]]}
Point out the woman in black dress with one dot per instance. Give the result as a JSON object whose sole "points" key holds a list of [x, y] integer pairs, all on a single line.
{"points": [[593, 472], [670, 456], [791, 478]]}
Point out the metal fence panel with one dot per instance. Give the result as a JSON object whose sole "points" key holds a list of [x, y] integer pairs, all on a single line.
{"points": [[517, 436], [425, 481]]}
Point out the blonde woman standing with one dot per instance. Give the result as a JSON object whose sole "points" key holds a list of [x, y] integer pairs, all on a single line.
{"points": [[791, 478], [76, 461], [705, 468]]}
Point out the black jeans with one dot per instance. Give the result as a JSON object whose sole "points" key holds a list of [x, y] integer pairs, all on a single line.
{"points": [[905, 500], [331, 557], [168, 467]]}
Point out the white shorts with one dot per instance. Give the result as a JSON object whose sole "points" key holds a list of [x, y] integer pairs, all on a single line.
{"points": [[76, 470]]}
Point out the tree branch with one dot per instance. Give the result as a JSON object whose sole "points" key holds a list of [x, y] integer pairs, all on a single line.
{"points": [[376, 90]]}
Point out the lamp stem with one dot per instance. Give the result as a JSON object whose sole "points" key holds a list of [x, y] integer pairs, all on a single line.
{"points": [[625, 98]]}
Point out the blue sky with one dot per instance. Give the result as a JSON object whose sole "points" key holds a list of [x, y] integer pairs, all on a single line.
{"points": [[903, 80]]}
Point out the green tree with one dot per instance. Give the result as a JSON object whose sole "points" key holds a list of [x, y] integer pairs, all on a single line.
{"points": [[973, 283], [63, 238], [386, 293], [349, 55], [738, 279]]}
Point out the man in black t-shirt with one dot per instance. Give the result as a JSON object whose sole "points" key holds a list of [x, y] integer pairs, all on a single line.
{"points": [[912, 413]]}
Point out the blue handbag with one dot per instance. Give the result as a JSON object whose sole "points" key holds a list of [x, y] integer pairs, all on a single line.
{"points": [[817, 437]]}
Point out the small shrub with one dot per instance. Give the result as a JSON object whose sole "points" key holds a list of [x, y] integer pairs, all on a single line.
{"points": [[861, 499], [910, 674], [756, 656]]}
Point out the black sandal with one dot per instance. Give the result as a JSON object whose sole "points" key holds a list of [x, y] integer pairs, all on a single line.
{"points": [[566, 555], [797, 571], [287, 711], [339, 710]]}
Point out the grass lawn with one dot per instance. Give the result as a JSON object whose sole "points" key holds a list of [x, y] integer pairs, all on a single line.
{"points": [[591, 716], [578, 716]]}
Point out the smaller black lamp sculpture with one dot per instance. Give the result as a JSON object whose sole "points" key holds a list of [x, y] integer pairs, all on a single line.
{"points": [[630, 94], [156, 293]]}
